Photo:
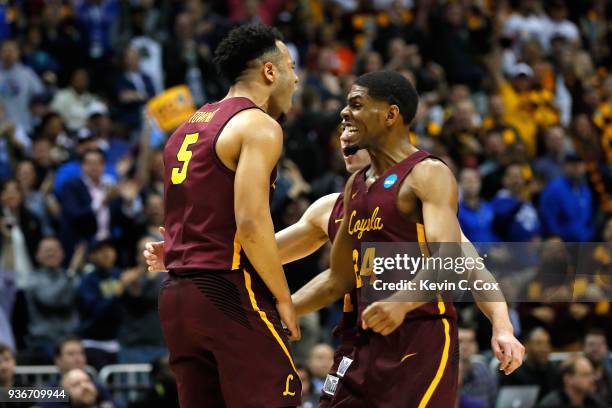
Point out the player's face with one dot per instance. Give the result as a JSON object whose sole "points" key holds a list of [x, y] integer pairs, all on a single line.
{"points": [[364, 118], [353, 162], [281, 98]]}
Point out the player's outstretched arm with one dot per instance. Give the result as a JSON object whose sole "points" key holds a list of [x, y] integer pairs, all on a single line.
{"points": [[301, 239], [261, 144], [329, 286], [508, 350]]}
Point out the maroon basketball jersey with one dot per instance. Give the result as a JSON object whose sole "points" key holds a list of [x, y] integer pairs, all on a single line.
{"points": [[199, 194], [373, 216]]}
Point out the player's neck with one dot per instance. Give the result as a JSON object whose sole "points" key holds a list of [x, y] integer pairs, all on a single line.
{"points": [[251, 90], [395, 149]]}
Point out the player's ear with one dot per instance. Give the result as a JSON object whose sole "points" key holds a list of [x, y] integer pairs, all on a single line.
{"points": [[393, 115], [269, 71]]}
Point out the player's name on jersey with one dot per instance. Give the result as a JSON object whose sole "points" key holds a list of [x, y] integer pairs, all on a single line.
{"points": [[202, 117]]}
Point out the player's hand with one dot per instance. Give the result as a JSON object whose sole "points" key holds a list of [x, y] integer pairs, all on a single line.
{"points": [[508, 350], [154, 254], [286, 310], [383, 317]]}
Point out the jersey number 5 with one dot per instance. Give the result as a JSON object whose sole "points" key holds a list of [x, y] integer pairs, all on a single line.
{"points": [[184, 155]]}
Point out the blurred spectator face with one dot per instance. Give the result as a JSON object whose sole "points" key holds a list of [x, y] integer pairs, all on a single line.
{"points": [[596, 348], [454, 13], [354, 162], [459, 93], [80, 81], [11, 196], [397, 46], [496, 106], [470, 183], [104, 257], [154, 210], [50, 254], [93, 165], [555, 139], [26, 175], [373, 62], [464, 114], [538, 347], [131, 60], [305, 380], [71, 356], [41, 152], [413, 57], [183, 26], [521, 83], [494, 145], [513, 179], [53, 125], [582, 381], [321, 360], [7, 366], [574, 170], [9, 54], [467, 343], [80, 388]]}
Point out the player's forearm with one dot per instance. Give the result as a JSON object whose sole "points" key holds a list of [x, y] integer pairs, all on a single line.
{"points": [[323, 290], [497, 313], [297, 242], [256, 235]]}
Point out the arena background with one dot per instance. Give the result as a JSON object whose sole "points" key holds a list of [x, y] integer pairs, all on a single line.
{"points": [[515, 96]]}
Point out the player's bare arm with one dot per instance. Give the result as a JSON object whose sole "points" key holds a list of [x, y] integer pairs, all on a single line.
{"points": [[309, 233], [261, 140], [508, 350], [330, 285]]}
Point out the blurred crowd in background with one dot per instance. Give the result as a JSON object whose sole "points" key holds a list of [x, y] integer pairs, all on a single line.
{"points": [[515, 96]]}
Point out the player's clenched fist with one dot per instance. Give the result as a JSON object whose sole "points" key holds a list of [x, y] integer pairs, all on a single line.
{"points": [[287, 314], [383, 317]]}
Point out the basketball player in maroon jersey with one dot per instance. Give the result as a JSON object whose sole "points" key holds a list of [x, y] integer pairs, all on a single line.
{"points": [[405, 352], [226, 294], [319, 223]]}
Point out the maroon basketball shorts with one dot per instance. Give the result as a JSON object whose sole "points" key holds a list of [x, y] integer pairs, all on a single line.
{"points": [[227, 346], [413, 367]]}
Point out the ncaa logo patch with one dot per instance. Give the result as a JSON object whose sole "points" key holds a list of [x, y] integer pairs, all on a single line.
{"points": [[390, 180]]}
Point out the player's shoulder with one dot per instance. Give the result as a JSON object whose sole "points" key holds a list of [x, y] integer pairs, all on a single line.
{"points": [[429, 175], [254, 123]]}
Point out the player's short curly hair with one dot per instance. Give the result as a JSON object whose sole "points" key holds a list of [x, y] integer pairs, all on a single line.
{"points": [[243, 45], [394, 88]]}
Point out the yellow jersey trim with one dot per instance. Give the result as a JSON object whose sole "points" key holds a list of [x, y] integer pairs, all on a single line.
{"points": [[262, 314]]}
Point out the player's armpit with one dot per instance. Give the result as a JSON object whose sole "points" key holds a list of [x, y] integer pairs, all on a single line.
{"points": [[309, 233]]}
